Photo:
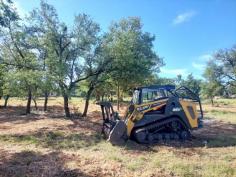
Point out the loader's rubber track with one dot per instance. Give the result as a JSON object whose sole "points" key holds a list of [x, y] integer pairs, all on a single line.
{"points": [[161, 131]]}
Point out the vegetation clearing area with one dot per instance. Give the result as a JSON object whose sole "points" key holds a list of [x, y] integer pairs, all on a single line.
{"points": [[47, 144], [52, 71]]}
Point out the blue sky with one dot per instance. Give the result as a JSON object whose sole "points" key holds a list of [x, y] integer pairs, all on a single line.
{"points": [[187, 31]]}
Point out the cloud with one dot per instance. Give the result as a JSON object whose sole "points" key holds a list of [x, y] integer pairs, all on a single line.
{"points": [[175, 72], [205, 57], [198, 66], [184, 17], [201, 61]]}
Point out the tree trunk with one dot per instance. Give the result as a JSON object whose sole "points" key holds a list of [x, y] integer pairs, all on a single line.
{"points": [[97, 97], [6, 101], [118, 96], [66, 105], [45, 101], [212, 102], [35, 104], [111, 100], [29, 102], [89, 92], [121, 96]]}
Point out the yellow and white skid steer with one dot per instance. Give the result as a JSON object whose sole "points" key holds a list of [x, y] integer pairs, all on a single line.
{"points": [[156, 113]]}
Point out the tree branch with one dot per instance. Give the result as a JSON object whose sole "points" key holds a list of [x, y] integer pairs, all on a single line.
{"points": [[14, 43]]}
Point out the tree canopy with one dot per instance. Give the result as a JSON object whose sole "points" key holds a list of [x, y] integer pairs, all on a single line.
{"points": [[41, 52], [42, 55]]}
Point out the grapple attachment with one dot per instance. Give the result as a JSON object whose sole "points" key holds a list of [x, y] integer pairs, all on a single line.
{"points": [[114, 129]]}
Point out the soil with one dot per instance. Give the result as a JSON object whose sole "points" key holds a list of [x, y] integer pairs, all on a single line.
{"points": [[15, 161]]}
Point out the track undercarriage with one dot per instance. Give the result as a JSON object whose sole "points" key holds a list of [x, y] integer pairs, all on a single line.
{"points": [[161, 131], [166, 130]]}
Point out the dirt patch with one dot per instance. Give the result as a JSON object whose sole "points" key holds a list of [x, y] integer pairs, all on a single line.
{"points": [[14, 123], [213, 128], [47, 144]]}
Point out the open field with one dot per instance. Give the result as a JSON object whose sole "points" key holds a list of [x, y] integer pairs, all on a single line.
{"points": [[46, 144]]}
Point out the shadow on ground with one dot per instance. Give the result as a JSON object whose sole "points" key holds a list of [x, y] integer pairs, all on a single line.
{"points": [[214, 133], [16, 114], [30, 163], [55, 139]]}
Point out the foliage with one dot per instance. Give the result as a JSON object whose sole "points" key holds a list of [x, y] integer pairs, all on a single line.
{"points": [[70, 54], [40, 55], [220, 74], [225, 61], [192, 83], [132, 52], [7, 13], [212, 86]]}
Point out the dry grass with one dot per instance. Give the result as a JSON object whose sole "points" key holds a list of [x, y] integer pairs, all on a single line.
{"points": [[47, 144]]}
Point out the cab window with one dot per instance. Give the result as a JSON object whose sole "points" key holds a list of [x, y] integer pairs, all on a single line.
{"points": [[149, 95]]}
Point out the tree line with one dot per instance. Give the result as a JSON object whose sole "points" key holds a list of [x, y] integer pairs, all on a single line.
{"points": [[41, 55], [219, 77]]}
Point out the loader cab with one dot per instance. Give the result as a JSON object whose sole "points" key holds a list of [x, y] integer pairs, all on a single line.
{"points": [[142, 95]]}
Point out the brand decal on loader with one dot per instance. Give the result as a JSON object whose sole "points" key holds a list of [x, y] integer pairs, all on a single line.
{"points": [[144, 108], [177, 109]]}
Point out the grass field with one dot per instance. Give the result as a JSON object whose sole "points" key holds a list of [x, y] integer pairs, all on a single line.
{"points": [[47, 144]]}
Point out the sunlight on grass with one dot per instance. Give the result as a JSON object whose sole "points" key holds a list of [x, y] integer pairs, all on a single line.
{"points": [[139, 160], [55, 140], [225, 116], [218, 158], [167, 160], [221, 101], [225, 101]]}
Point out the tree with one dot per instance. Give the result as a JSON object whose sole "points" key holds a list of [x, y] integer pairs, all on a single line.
{"points": [[220, 74], [192, 83], [48, 86], [38, 42], [134, 59], [6, 88], [226, 65], [17, 55], [7, 14], [179, 80], [91, 84], [22, 63], [105, 88], [212, 86], [154, 79], [2, 71], [95, 62], [66, 48]]}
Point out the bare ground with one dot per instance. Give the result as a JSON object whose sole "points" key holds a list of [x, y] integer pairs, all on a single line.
{"points": [[47, 144]]}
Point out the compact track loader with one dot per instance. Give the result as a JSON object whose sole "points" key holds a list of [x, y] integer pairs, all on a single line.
{"points": [[156, 113]]}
